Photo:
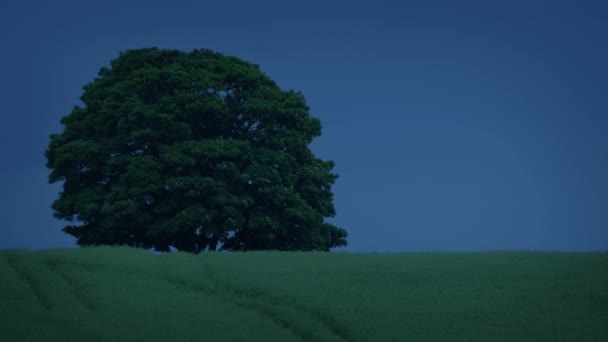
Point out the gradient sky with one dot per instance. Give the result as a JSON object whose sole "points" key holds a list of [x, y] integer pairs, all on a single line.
{"points": [[454, 125]]}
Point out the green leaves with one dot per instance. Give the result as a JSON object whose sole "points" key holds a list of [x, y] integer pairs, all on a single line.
{"points": [[192, 150]]}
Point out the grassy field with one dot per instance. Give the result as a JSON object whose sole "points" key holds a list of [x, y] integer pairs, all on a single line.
{"points": [[122, 294]]}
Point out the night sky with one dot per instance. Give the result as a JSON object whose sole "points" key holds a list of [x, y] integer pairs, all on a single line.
{"points": [[454, 125]]}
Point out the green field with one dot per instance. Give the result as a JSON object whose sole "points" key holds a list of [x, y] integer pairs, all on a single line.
{"points": [[123, 294]]}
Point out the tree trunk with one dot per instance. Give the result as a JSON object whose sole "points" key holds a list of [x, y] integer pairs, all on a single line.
{"points": [[213, 243]]}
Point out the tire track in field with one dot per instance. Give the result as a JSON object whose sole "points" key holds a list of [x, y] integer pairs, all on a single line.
{"points": [[240, 297], [237, 296], [30, 280], [184, 286], [264, 313], [71, 285], [328, 321], [181, 285]]}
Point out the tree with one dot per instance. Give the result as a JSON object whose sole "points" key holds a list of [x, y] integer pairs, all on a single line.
{"points": [[196, 151]]}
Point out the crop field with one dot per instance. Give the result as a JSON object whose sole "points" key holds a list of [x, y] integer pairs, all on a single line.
{"points": [[124, 294]]}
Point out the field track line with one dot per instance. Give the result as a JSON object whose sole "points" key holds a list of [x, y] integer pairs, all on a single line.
{"points": [[74, 291], [199, 288], [267, 314], [324, 319], [29, 280], [180, 285]]}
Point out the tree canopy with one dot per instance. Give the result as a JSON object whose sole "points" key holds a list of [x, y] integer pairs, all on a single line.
{"points": [[195, 151]]}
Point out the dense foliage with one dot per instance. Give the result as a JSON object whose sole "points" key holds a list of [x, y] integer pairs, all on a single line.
{"points": [[196, 151]]}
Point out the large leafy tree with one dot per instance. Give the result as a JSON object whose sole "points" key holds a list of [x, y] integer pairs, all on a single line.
{"points": [[196, 151]]}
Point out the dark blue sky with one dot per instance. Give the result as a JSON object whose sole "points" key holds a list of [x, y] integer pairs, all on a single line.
{"points": [[454, 125]]}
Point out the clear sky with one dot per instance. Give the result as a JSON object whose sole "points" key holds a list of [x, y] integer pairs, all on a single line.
{"points": [[454, 125]]}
